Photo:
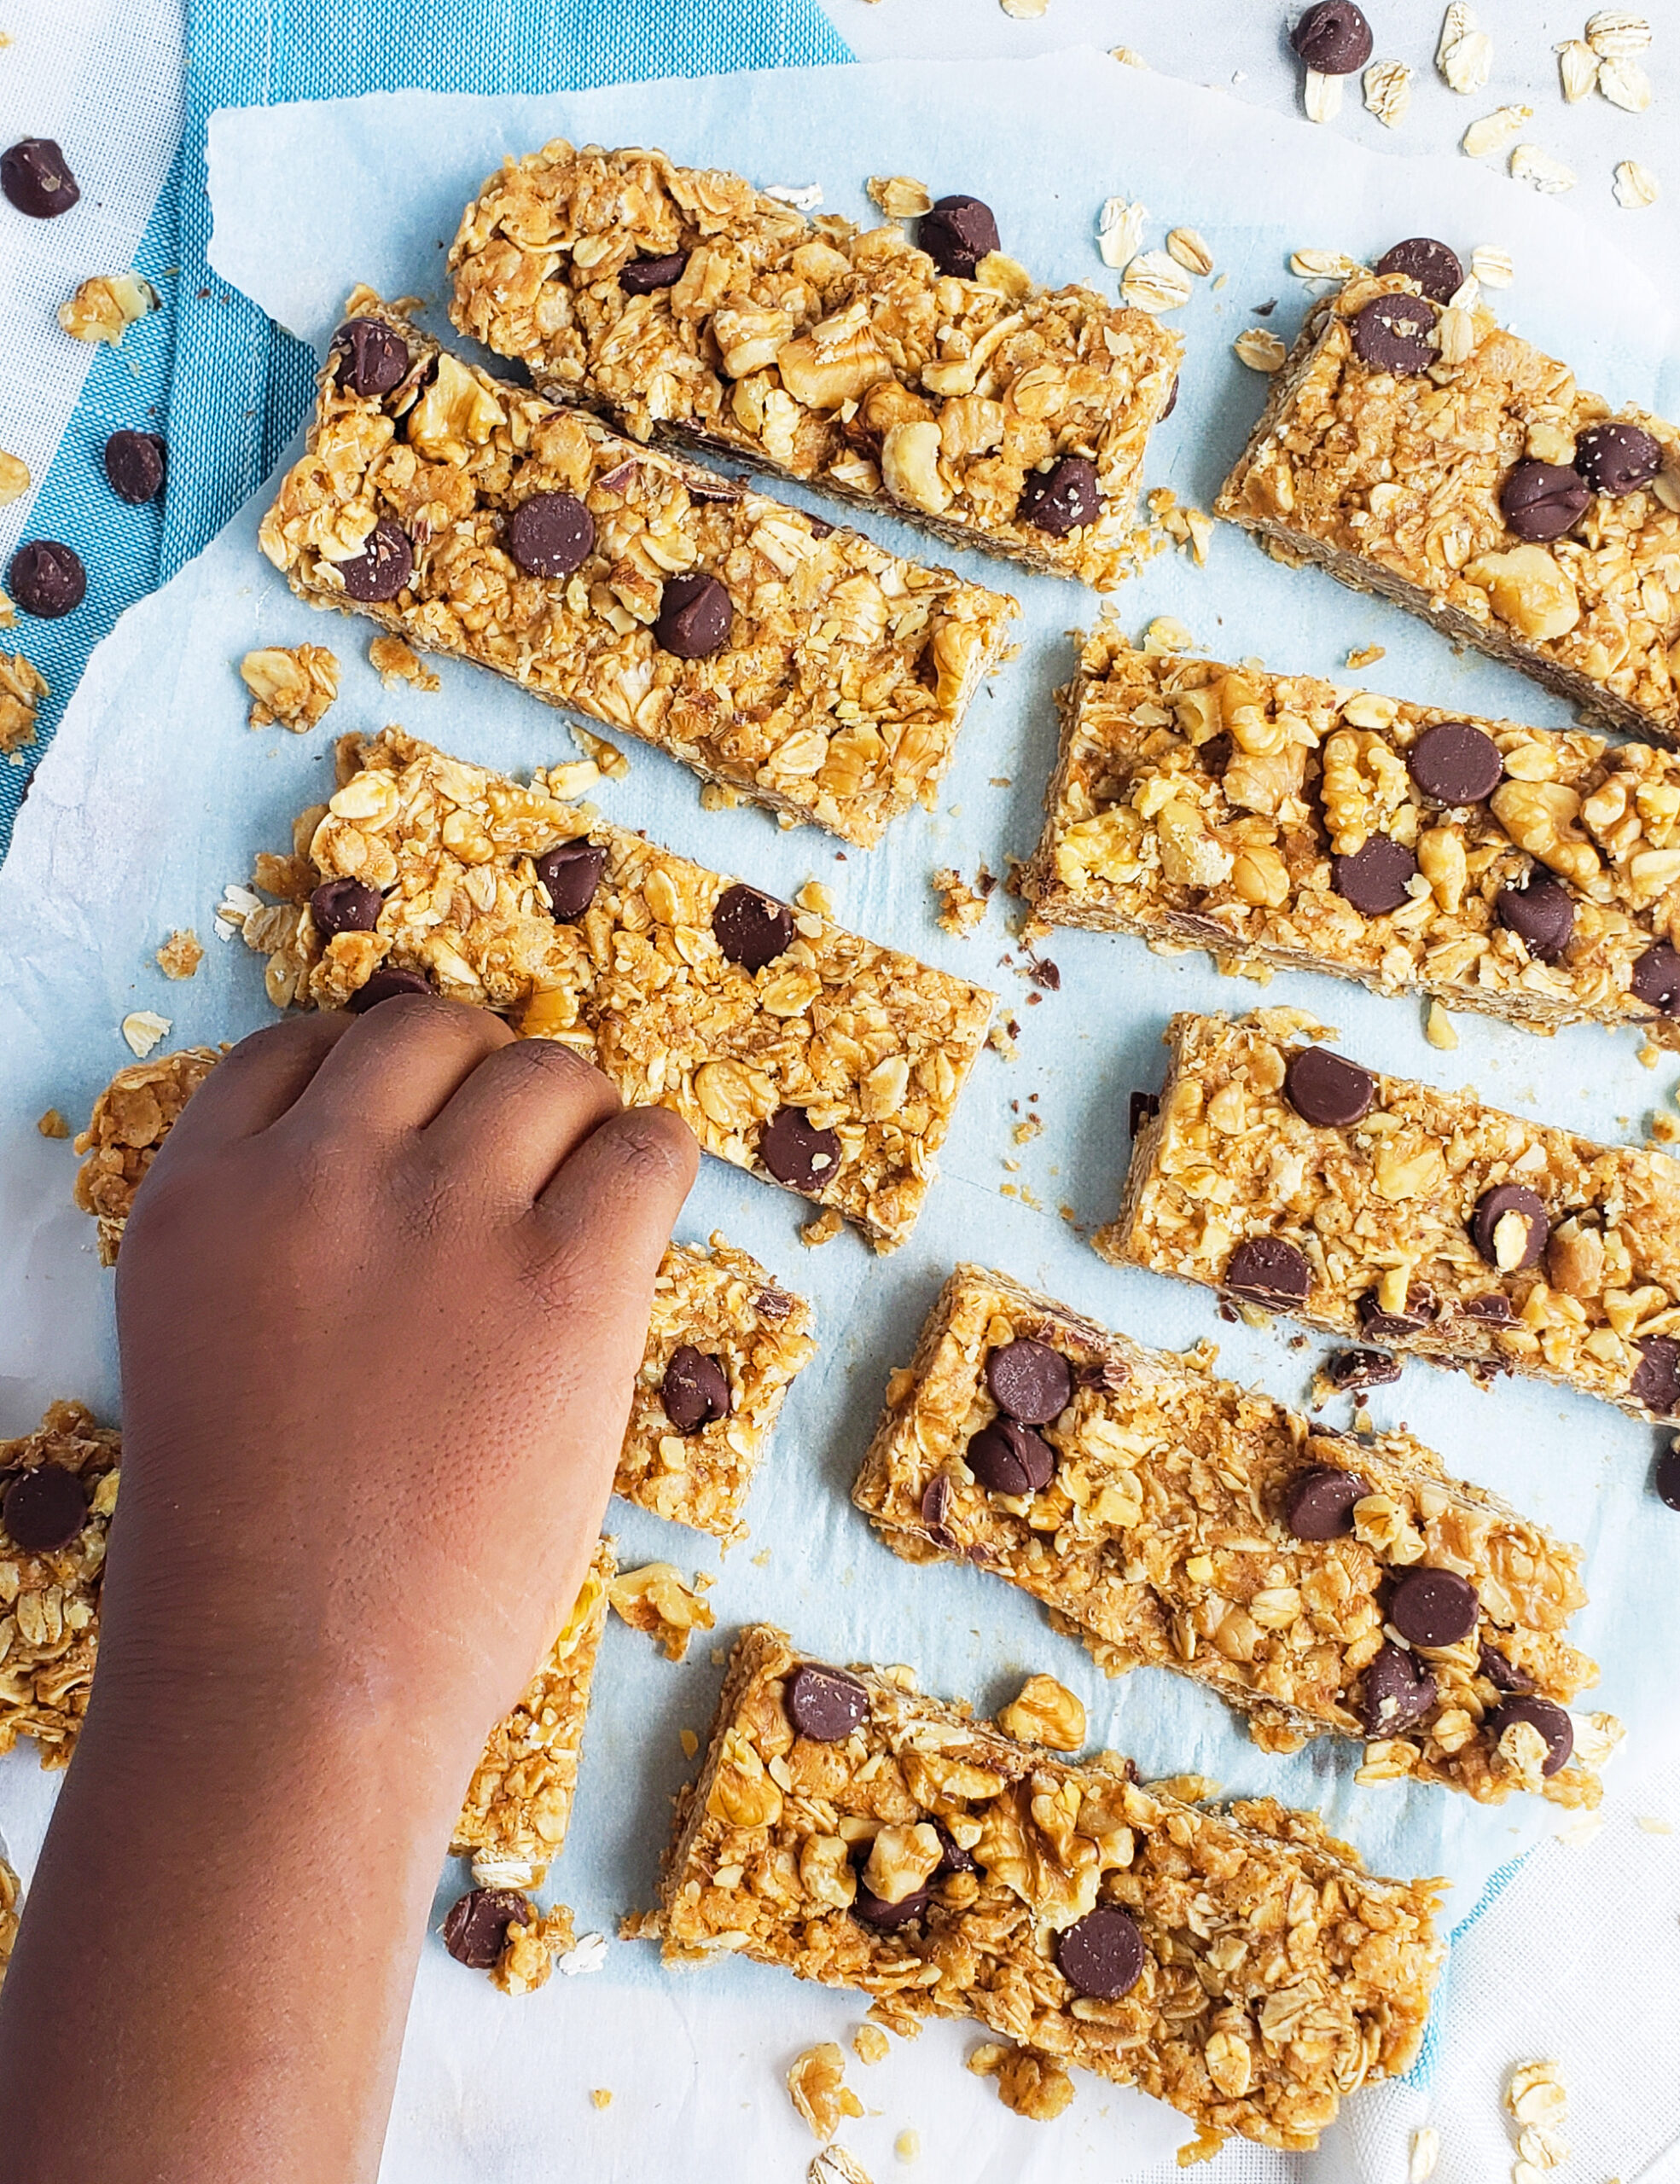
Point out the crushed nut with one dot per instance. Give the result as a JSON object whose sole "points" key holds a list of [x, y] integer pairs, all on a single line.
{"points": [[601, 2097], [104, 307], [291, 686], [53, 1124], [816, 2083], [398, 662], [655, 1599], [827, 1226], [1045, 1711], [14, 479], [870, 2044], [1033, 2085], [22, 685], [1437, 1028], [608, 759]]}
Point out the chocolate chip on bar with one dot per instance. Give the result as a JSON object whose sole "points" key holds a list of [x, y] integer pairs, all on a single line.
{"points": [[794, 663], [1278, 820], [475, 1930], [1432, 1224], [1180, 1522], [44, 1509], [1481, 487], [1068, 1883], [1434, 267], [932, 379]]}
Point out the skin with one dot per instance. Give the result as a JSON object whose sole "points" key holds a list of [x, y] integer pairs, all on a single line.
{"points": [[381, 1303]]}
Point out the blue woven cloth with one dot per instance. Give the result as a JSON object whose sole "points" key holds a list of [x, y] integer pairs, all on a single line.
{"points": [[223, 383]]}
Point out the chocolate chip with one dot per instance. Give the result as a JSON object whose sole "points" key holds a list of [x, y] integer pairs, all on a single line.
{"points": [[953, 1858], [44, 1509], [1456, 763], [37, 178], [823, 1704], [1656, 979], [1102, 1955], [936, 1506], [1431, 264], [1376, 879], [1009, 1458], [797, 1152], [345, 906], [550, 534], [695, 1390], [1433, 1607], [1327, 1089], [1666, 1478], [134, 464], [752, 929], [382, 567], [571, 872], [1030, 1380], [1333, 37], [1271, 1272], [875, 1911], [1391, 1326], [1391, 335], [957, 234], [475, 1930], [1656, 1377], [1503, 1675], [695, 617], [386, 985], [1319, 1503], [1145, 1106], [1497, 1205], [46, 578], [1171, 401], [1059, 499], [1494, 1307], [1551, 1720], [643, 275], [1616, 458], [1398, 1692], [1541, 500], [367, 358], [1349, 1370], [1541, 915]]}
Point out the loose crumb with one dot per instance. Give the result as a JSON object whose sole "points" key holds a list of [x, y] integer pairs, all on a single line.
{"points": [[13, 478], [398, 662], [817, 2085], [908, 2145], [1654, 1824], [1366, 655], [1425, 2152], [714, 797], [823, 1230], [869, 2044], [181, 954], [612, 762], [1649, 1055], [53, 1124], [1027, 1128], [1437, 1028], [815, 897], [962, 907], [655, 1599], [601, 2096], [689, 1742], [21, 684]]}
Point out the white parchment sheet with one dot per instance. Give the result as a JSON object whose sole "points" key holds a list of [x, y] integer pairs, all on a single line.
{"points": [[155, 793]]}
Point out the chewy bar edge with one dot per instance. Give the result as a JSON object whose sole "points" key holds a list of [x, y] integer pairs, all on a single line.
{"points": [[1166, 1537], [990, 411], [1292, 1937]]}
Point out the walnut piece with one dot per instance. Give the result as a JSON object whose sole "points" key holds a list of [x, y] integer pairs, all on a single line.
{"points": [[105, 306], [816, 2083], [1045, 1711], [21, 686]]}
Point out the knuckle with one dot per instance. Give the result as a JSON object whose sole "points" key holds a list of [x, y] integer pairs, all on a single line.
{"points": [[654, 1147]]}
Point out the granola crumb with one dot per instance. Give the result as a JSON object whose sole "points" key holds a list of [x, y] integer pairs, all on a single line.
{"points": [[1654, 1824], [142, 1028], [689, 1742], [1534, 2093], [21, 684], [908, 2145], [900, 196], [1425, 2152], [398, 662], [1001, 1038], [612, 762], [714, 797], [601, 2096], [1437, 1028], [1128, 56], [1166, 633], [291, 686], [14, 479], [106, 305], [1033, 2085], [181, 954], [1665, 1128], [962, 907], [1027, 1128], [655, 1599], [11, 1899], [53, 1124], [1366, 655], [869, 2044], [827, 1226], [1260, 350], [815, 897], [987, 2059], [817, 2085], [1649, 1055], [532, 1950]]}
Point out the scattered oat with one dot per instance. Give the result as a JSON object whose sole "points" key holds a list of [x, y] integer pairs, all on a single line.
{"points": [[53, 1124], [1653, 1824], [1465, 53], [142, 1028], [962, 907], [823, 1230], [1626, 84], [1322, 96], [689, 1742], [1262, 351], [1324, 264], [1494, 131], [816, 2083], [1388, 91], [1153, 282], [1191, 251], [1492, 266], [398, 662], [1166, 633], [1615, 33], [803, 197], [1577, 69], [291, 686], [1120, 231], [1635, 186], [601, 2097], [104, 307], [1425, 2152], [908, 2145], [14, 479], [588, 1954], [835, 2165], [899, 196], [1129, 55], [655, 1600], [21, 684], [1033, 2085], [1541, 2149], [1578, 1830], [1024, 10], [1045, 1711], [1366, 655], [1548, 176], [181, 954], [869, 2044], [1535, 2094], [7, 612]]}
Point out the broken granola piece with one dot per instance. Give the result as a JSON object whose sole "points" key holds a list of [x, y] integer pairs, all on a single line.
{"points": [[398, 662], [181, 954], [22, 686], [291, 685], [817, 2085], [962, 907], [655, 1599], [1033, 2085]]}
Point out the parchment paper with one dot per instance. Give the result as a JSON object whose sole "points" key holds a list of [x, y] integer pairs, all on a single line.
{"points": [[155, 793]]}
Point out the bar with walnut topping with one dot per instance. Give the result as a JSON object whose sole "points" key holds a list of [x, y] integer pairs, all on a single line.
{"points": [[1296, 1179], [724, 1342], [802, 1052], [1279, 821], [798, 665], [1240, 1965], [1415, 449], [932, 380], [1321, 1583]]}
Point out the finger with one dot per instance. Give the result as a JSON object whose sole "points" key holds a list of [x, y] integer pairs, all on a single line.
{"points": [[523, 1111], [397, 1066], [618, 1195], [255, 1084]]}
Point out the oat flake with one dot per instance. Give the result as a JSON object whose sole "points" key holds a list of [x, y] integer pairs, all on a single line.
{"points": [[1494, 131], [1155, 282], [1548, 176], [1388, 91], [1635, 186]]}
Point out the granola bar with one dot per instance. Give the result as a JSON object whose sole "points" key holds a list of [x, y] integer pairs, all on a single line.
{"points": [[791, 1048], [1426, 454], [993, 412], [1298, 1181], [57, 1489], [798, 665], [1241, 1966], [1170, 1519], [724, 1342], [1279, 821]]}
